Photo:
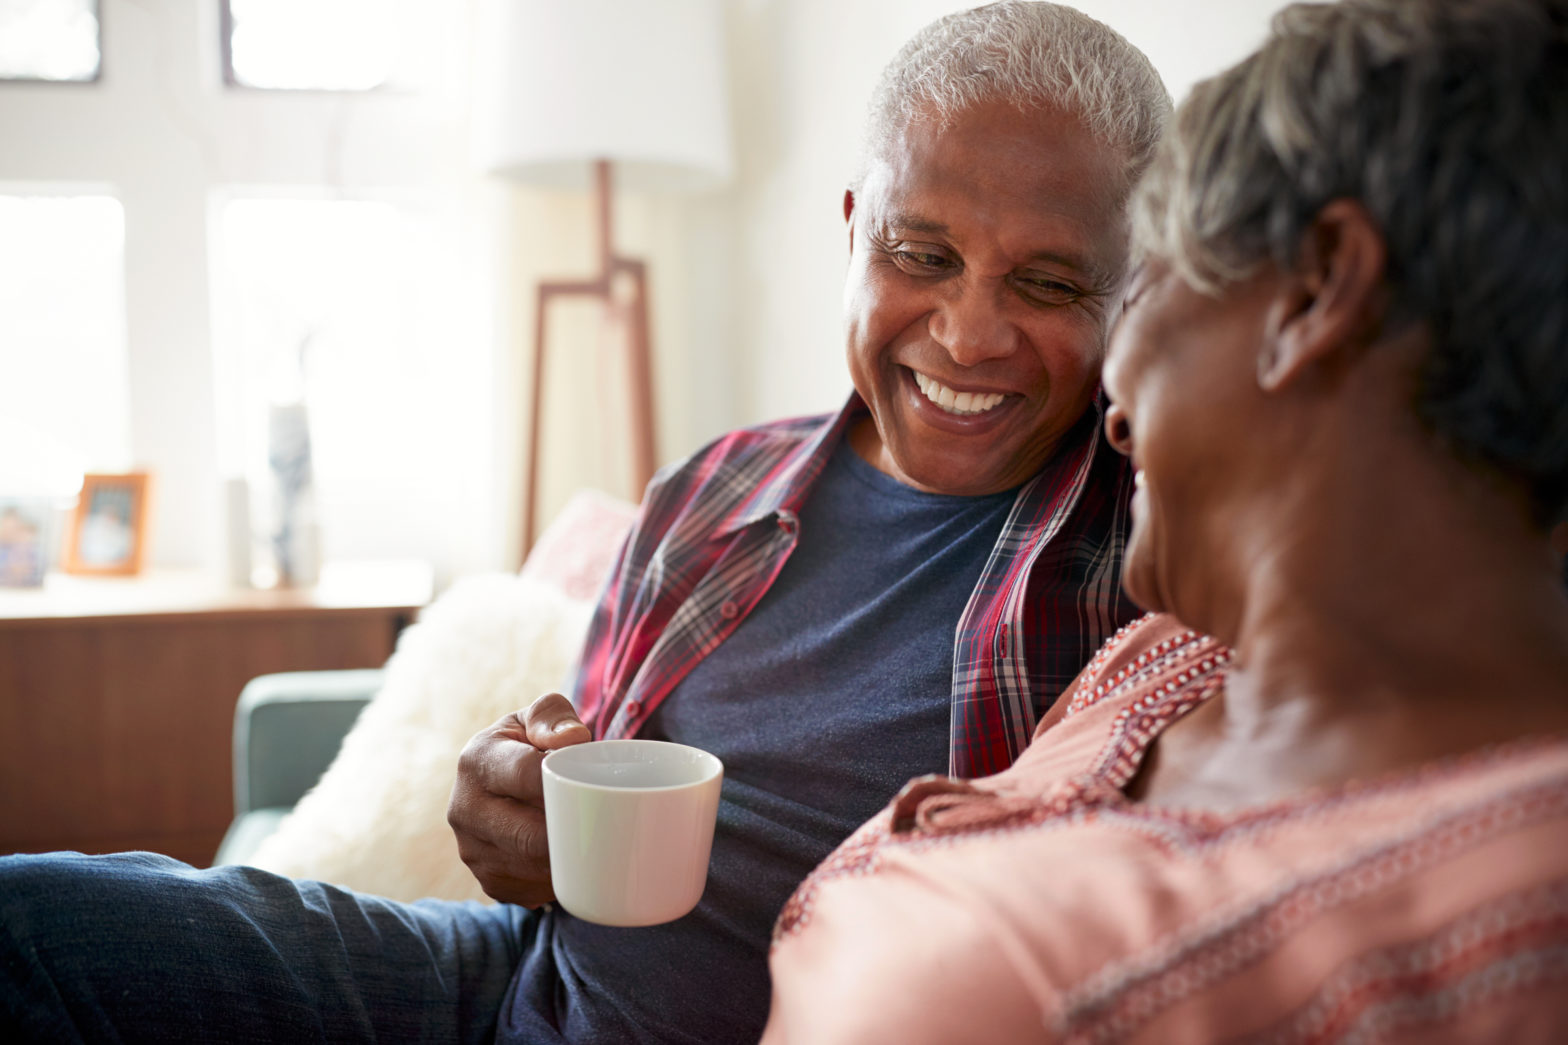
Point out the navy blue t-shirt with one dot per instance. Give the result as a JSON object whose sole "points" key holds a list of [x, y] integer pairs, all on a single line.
{"points": [[831, 694]]}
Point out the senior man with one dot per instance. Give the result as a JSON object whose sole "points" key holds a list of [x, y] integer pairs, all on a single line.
{"points": [[831, 605]]}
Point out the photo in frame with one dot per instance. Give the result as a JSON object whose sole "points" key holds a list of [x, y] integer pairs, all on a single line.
{"points": [[26, 540], [108, 528]]}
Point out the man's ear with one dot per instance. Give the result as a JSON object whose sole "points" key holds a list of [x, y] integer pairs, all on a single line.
{"points": [[849, 216], [1335, 298]]}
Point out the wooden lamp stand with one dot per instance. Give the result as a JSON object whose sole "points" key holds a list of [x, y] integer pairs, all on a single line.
{"points": [[622, 285]]}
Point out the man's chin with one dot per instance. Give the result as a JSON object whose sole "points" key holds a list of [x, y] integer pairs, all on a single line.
{"points": [[974, 463], [957, 479]]}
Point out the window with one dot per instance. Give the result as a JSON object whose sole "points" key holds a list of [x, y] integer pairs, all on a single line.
{"points": [[49, 40], [325, 45], [112, 321], [62, 340]]}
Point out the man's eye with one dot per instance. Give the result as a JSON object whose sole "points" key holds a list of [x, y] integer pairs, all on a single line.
{"points": [[921, 259], [1050, 290]]}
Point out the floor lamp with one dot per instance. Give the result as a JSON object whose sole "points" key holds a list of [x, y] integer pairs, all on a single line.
{"points": [[622, 95]]}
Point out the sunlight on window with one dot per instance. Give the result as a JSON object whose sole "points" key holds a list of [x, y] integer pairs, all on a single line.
{"points": [[62, 340], [334, 45], [356, 308], [49, 40]]}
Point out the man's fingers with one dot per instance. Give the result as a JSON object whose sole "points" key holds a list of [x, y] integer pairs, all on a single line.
{"points": [[505, 848], [498, 761], [552, 722], [511, 770]]}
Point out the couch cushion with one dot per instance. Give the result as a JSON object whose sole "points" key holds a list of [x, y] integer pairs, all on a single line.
{"points": [[245, 834], [576, 551], [287, 730]]}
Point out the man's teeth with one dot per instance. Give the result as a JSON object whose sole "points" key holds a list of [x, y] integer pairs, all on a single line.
{"points": [[963, 403]]}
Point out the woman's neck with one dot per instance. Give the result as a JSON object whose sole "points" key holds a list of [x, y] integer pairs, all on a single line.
{"points": [[1419, 599], [1393, 612]]}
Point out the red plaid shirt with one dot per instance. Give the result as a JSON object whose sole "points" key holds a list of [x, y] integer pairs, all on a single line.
{"points": [[714, 531]]}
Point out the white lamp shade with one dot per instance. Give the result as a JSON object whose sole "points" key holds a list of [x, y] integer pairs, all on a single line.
{"points": [[640, 83]]}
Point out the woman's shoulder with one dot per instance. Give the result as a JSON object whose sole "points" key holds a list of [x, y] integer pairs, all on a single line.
{"points": [[1150, 650]]}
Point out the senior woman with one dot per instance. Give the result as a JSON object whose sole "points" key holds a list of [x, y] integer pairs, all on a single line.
{"points": [[1322, 794]]}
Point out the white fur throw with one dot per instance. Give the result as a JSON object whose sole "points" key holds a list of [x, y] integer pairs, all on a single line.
{"points": [[376, 821]]}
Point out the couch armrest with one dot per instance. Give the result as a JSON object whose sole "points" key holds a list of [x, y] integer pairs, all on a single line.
{"points": [[287, 730]]}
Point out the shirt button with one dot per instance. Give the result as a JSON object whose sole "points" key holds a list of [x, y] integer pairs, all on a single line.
{"points": [[729, 610], [632, 708]]}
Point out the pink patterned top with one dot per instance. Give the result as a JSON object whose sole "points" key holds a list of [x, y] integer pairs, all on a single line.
{"points": [[1041, 904]]}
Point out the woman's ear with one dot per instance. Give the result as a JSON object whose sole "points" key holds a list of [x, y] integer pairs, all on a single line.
{"points": [[1335, 298], [1559, 538]]}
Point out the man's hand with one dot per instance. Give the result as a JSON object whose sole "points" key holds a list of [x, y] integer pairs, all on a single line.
{"points": [[497, 806]]}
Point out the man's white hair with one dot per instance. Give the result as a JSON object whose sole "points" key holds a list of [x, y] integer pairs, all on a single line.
{"points": [[1033, 55]]}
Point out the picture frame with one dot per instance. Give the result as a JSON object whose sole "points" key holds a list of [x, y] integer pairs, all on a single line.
{"points": [[107, 535], [27, 526]]}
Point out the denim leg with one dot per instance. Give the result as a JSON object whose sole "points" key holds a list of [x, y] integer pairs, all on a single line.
{"points": [[137, 947]]}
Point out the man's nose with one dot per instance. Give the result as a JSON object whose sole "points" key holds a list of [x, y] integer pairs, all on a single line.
{"points": [[972, 325]]}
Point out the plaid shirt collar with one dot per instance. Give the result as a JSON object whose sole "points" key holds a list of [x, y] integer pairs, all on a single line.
{"points": [[793, 480]]}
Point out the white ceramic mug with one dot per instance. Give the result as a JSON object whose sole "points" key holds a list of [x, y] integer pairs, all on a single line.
{"points": [[630, 824]]}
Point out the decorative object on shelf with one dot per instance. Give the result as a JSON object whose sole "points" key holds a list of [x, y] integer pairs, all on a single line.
{"points": [[280, 492], [108, 532], [236, 531], [293, 536], [26, 540], [584, 86]]}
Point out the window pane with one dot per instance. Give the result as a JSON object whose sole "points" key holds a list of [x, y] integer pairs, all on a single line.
{"points": [[336, 45], [62, 340], [357, 307], [49, 40]]}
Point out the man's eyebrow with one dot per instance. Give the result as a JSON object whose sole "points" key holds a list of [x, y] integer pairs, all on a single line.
{"points": [[1096, 273], [914, 223], [1071, 261]]}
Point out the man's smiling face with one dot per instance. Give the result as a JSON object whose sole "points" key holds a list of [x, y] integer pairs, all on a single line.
{"points": [[985, 261]]}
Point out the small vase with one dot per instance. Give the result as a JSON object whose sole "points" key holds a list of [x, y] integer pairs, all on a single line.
{"points": [[293, 536]]}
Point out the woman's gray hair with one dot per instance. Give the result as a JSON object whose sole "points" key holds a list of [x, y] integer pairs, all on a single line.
{"points": [[1448, 121], [1033, 55]]}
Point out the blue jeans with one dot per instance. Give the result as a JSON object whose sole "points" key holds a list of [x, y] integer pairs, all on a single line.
{"points": [[138, 947]]}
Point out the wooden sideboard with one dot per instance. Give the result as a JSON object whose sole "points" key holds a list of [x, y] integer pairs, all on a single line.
{"points": [[117, 696]]}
